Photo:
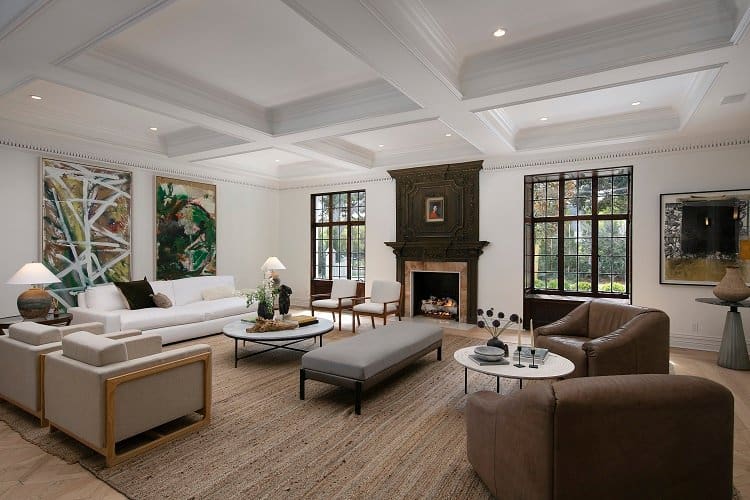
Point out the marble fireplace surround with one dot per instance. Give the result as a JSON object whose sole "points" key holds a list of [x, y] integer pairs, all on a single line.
{"points": [[462, 268]]}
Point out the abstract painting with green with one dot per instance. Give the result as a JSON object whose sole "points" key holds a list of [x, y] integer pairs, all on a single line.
{"points": [[185, 228], [85, 226]]}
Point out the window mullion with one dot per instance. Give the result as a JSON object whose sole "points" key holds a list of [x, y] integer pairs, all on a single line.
{"points": [[595, 234]]}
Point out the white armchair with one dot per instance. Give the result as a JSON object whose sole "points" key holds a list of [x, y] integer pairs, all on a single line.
{"points": [[102, 391], [385, 300], [340, 299], [21, 353]]}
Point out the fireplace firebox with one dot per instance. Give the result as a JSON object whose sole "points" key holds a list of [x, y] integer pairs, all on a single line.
{"points": [[435, 294]]}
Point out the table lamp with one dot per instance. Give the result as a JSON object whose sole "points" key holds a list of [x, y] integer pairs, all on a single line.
{"points": [[34, 302], [270, 266]]}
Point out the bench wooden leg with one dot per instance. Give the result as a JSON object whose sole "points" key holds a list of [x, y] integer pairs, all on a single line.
{"points": [[358, 398], [372, 320], [302, 378], [440, 353]]}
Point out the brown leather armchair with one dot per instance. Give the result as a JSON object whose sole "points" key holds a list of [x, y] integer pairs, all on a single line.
{"points": [[607, 338], [620, 437]]}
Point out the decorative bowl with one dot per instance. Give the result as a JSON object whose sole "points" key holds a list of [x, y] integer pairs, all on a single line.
{"points": [[489, 353]]}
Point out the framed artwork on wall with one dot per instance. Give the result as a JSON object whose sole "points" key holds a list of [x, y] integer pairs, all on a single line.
{"points": [[185, 228], [434, 209], [701, 234], [85, 226]]}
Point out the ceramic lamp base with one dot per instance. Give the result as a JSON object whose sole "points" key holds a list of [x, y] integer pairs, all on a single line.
{"points": [[34, 303]]}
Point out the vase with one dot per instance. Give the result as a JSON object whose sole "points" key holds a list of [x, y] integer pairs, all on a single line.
{"points": [[265, 310], [732, 287], [496, 342]]}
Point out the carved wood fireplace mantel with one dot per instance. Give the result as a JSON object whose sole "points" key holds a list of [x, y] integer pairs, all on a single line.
{"points": [[437, 220]]}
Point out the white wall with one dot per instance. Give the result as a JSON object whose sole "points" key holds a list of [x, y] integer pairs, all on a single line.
{"points": [[501, 223], [247, 221]]}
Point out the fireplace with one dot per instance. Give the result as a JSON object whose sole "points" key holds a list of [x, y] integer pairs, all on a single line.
{"points": [[435, 294], [446, 244], [422, 271]]}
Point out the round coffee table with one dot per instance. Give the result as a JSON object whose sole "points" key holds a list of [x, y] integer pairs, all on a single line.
{"points": [[285, 338], [555, 366]]}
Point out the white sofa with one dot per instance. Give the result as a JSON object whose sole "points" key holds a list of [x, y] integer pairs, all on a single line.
{"points": [[189, 317]]}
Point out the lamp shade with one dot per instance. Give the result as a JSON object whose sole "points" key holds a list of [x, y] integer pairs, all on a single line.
{"points": [[33, 273], [272, 264]]}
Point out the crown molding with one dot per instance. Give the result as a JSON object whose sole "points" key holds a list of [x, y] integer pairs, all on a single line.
{"points": [[497, 164], [342, 150], [157, 166], [698, 90], [298, 185], [418, 30], [624, 126], [366, 100], [132, 19], [666, 31], [180, 90], [427, 154], [742, 27], [33, 7], [498, 121], [194, 140]]}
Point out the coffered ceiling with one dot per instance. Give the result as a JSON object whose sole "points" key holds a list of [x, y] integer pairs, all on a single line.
{"points": [[278, 90]]}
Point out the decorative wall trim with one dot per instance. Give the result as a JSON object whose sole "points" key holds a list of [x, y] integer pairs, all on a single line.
{"points": [[698, 342], [418, 30], [494, 164], [350, 182], [653, 34], [175, 171]]}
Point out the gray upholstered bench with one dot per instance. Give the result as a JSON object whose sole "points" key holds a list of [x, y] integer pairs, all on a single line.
{"points": [[364, 360]]}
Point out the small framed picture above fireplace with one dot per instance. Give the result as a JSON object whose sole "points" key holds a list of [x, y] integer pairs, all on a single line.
{"points": [[434, 209]]}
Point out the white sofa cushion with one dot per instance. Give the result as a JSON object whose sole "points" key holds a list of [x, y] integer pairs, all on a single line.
{"points": [[105, 298], [373, 307], [154, 317], [189, 290], [95, 350], [331, 303], [221, 308], [163, 286], [217, 292], [33, 333]]}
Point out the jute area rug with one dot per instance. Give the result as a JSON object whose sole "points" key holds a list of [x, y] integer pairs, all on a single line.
{"points": [[263, 442]]}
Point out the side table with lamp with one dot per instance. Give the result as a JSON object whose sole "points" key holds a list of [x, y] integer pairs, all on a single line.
{"points": [[34, 303]]}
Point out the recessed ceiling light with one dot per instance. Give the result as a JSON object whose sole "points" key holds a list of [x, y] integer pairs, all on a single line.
{"points": [[543, 119], [277, 161], [36, 97], [381, 145], [153, 129], [635, 103], [448, 134], [499, 32]]}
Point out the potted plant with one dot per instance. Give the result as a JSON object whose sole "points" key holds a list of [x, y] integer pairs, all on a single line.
{"points": [[264, 294]]}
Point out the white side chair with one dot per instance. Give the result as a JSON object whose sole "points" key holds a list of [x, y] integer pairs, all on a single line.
{"points": [[341, 298], [385, 300], [22, 354], [102, 391]]}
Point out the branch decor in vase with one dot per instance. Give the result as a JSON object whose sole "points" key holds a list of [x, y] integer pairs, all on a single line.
{"points": [[264, 295], [495, 325]]}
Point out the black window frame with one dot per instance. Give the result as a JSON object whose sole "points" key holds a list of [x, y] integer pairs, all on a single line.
{"points": [[330, 224], [529, 226]]}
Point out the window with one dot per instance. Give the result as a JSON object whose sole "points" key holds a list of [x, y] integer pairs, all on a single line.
{"points": [[577, 233], [338, 235]]}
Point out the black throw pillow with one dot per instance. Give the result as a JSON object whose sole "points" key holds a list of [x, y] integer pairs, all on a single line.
{"points": [[137, 293]]}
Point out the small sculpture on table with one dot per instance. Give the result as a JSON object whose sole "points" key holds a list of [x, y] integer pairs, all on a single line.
{"points": [[495, 326], [284, 301]]}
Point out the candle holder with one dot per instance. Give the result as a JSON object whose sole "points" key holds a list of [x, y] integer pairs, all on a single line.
{"points": [[519, 365], [533, 363]]}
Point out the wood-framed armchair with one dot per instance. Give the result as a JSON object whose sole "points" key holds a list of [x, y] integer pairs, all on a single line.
{"points": [[340, 299], [101, 391], [22, 354], [385, 300]]}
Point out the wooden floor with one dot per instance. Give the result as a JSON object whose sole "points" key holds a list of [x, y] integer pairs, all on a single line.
{"points": [[28, 472]]}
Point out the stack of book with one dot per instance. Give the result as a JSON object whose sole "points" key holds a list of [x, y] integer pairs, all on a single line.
{"points": [[303, 320], [540, 355]]}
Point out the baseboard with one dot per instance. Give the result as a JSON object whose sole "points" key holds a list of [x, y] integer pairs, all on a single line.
{"points": [[697, 342]]}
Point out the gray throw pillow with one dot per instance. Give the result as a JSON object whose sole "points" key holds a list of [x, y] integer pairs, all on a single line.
{"points": [[161, 300]]}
